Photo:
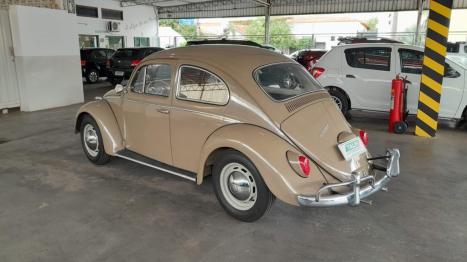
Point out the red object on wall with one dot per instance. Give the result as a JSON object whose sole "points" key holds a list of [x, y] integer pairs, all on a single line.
{"points": [[396, 113]]}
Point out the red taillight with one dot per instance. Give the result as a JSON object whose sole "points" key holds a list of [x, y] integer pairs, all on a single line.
{"points": [[135, 62], [364, 137], [83, 62], [304, 165], [317, 71], [107, 64]]}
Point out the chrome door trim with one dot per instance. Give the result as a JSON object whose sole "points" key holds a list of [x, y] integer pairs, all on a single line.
{"points": [[157, 167]]}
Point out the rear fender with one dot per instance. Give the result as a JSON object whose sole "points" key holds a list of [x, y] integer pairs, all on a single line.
{"points": [[267, 151], [102, 113]]}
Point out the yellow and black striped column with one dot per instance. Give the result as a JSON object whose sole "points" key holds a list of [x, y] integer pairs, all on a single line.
{"points": [[433, 68]]}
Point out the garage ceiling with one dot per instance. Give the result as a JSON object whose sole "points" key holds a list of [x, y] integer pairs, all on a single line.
{"points": [[241, 8]]}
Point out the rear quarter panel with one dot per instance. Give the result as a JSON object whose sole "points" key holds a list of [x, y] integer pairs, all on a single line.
{"points": [[267, 151]]}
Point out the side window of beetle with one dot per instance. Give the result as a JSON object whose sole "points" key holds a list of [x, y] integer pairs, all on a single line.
{"points": [[199, 85], [137, 85], [158, 78]]}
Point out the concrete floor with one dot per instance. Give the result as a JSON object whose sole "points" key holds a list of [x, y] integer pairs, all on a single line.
{"points": [[57, 206]]}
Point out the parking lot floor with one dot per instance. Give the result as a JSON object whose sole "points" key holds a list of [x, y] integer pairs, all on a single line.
{"points": [[57, 206]]}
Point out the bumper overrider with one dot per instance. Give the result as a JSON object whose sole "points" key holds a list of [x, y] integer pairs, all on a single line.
{"points": [[357, 193]]}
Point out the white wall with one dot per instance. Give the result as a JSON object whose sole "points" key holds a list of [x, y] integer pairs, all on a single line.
{"points": [[138, 21], [47, 57]]}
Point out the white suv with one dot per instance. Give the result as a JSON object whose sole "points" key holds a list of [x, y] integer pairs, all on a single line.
{"points": [[458, 48], [359, 76]]}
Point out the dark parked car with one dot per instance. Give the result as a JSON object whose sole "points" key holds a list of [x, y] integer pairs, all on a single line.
{"points": [[223, 41], [360, 40], [94, 63], [122, 63], [308, 57]]}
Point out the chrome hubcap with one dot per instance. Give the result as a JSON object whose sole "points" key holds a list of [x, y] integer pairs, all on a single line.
{"points": [[238, 186], [91, 141], [337, 101], [93, 76]]}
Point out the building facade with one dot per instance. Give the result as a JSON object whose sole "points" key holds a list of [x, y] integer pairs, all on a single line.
{"points": [[107, 24]]}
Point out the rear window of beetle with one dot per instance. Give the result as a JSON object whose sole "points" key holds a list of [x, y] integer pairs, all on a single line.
{"points": [[285, 80]]}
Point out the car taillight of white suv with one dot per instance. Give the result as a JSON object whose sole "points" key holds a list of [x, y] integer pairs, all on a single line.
{"points": [[317, 71]]}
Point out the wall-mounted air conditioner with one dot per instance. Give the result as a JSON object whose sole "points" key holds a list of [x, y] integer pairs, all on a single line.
{"points": [[113, 26]]}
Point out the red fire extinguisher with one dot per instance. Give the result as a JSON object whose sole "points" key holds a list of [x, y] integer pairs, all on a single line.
{"points": [[397, 114]]}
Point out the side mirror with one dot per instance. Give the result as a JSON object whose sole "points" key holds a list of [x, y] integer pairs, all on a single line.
{"points": [[118, 88]]}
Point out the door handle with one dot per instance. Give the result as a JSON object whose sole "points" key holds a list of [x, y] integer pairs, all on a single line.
{"points": [[163, 110], [350, 76]]}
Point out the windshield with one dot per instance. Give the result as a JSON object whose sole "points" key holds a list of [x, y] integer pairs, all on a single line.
{"points": [[129, 53], [284, 81], [459, 59]]}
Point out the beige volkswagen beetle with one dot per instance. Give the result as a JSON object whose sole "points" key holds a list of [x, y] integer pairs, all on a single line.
{"points": [[253, 119]]}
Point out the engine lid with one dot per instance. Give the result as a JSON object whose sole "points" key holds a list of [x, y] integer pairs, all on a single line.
{"points": [[315, 130]]}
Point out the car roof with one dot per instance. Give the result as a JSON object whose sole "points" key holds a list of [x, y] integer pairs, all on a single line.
{"points": [[223, 41], [362, 45], [95, 48], [245, 57], [140, 48]]}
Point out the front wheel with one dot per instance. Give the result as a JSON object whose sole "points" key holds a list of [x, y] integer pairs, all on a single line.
{"points": [[239, 187], [91, 141]]}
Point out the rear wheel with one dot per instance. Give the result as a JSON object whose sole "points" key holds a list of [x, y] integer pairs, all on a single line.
{"points": [[92, 76], [462, 122], [115, 80], [91, 141], [239, 187], [340, 99]]}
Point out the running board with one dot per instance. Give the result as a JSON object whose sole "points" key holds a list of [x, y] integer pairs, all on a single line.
{"points": [[140, 159]]}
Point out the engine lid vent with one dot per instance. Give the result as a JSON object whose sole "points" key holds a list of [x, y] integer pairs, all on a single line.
{"points": [[301, 101]]}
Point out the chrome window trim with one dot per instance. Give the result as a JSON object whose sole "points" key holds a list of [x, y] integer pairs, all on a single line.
{"points": [[290, 98], [177, 93], [144, 80]]}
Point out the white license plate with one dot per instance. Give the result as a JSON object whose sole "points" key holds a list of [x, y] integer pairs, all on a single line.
{"points": [[119, 73], [352, 148]]}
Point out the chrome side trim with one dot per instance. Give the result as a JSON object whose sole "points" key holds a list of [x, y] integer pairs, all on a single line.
{"points": [[158, 168]]}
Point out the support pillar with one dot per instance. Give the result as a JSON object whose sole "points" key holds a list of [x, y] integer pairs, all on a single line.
{"points": [[433, 68], [267, 36], [419, 20]]}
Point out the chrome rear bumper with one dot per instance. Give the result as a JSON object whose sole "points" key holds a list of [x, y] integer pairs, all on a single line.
{"points": [[357, 193]]}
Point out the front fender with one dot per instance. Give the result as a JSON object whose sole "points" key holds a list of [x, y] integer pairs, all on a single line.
{"points": [[102, 113], [267, 151]]}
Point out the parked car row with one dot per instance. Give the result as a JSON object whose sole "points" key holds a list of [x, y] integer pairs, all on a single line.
{"points": [[246, 122], [358, 76], [115, 65], [357, 73]]}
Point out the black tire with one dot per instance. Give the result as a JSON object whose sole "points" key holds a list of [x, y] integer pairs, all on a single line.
{"points": [[400, 127], [115, 80], [341, 100], [101, 157], [463, 121], [264, 198], [92, 76]]}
